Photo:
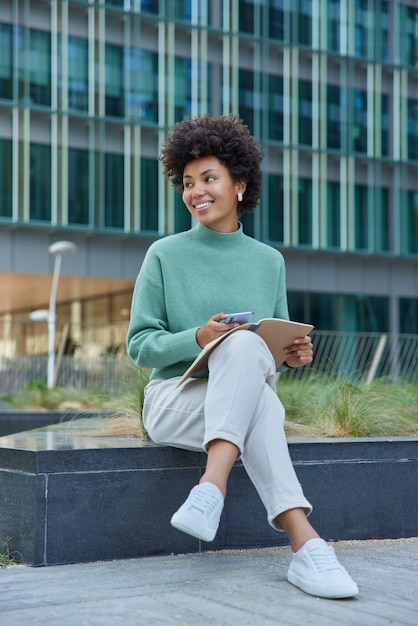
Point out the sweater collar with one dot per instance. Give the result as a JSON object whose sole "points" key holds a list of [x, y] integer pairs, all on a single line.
{"points": [[209, 236]]}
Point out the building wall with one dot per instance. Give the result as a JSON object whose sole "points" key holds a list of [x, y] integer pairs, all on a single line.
{"points": [[88, 91]]}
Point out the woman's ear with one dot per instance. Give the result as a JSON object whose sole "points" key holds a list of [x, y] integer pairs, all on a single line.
{"points": [[241, 186]]}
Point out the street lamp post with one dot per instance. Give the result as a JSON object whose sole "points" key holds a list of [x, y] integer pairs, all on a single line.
{"points": [[59, 249]]}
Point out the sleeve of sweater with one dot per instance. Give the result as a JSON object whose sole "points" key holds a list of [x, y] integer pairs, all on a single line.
{"points": [[149, 341], [281, 308]]}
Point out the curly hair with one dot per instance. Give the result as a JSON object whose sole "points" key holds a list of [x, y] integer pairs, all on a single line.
{"points": [[228, 139]]}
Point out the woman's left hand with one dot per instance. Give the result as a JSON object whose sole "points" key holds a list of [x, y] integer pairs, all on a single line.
{"points": [[300, 352]]}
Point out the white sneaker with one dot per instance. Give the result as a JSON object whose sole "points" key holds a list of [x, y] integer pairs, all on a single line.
{"points": [[199, 516], [316, 570]]}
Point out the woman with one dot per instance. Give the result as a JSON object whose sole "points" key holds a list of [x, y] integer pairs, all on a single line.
{"points": [[187, 284]]}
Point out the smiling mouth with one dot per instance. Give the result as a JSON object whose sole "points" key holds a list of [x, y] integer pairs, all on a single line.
{"points": [[202, 206]]}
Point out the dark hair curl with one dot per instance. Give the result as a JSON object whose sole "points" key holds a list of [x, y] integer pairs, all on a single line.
{"points": [[228, 139]]}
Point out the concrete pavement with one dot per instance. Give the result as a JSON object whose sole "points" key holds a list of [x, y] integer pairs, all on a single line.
{"points": [[219, 588]]}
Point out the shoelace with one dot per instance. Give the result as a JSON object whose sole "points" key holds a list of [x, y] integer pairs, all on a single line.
{"points": [[324, 559], [205, 502]]}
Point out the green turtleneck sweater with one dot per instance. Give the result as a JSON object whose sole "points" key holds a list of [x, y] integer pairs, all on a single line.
{"points": [[187, 278]]}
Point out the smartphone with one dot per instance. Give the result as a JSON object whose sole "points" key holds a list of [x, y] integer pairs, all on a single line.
{"points": [[238, 318]]}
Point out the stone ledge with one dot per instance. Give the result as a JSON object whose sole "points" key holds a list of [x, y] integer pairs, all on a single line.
{"points": [[71, 498], [15, 421]]}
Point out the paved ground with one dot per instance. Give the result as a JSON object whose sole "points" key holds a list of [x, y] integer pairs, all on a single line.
{"points": [[224, 588]]}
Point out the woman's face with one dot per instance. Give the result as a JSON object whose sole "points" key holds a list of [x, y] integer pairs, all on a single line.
{"points": [[210, 194]]}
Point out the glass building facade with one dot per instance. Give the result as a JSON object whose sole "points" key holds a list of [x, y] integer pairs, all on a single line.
{"points": [[88, 90]]}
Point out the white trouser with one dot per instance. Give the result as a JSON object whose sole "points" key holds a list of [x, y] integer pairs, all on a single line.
{"points": [[238, 403]]}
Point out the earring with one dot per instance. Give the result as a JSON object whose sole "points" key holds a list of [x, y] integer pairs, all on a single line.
{"points": [[239, 196]]}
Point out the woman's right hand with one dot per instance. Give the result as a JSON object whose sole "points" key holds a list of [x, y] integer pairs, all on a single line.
{"points": [[213, 329]]}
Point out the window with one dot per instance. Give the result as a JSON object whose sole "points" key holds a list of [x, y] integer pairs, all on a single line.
{"points": [[361, 220], [185, 74], [408, 35], [341, 312], [385, 125], [333, 215], [304, 22], [34, 54], [40, 182], [78, 186], [334, 22], [305, 112], [246, 16], [333, 117], [246, 97], [6, 84], [277, 19], [77, 74], [182, 217], [305, 212], [412, 222], [381, 217], [149, 194], [114, 197], [114, 82], [150, 6], [359, 128], [275, 208], [275, 107], [362, 31], [408, 316], [5, 178], [247, 221], [382, 33], [183, 9], [183, 91], [142, 96], [413, 129]]}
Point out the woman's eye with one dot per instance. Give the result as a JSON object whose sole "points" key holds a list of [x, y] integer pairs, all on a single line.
{"points": [[210, 178]]}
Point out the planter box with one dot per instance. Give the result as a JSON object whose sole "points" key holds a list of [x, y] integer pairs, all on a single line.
{"points": [[68, 498]]}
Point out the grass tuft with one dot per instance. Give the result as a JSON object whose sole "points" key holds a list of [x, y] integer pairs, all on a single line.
{"points": [[337, 407], [6, 557]]}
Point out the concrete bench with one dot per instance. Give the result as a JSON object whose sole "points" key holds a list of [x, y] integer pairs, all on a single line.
{"points": [[68, 498]]}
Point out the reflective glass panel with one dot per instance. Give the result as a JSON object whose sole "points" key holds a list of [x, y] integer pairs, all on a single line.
{"points": [[78, 186], [305, 112], [413, 129], [275, 208], [408, 315], [5, 178], [183, 91], [333, 117], [359, 128], [276, 19], [246, 16], [114, 81], [276, 107], [333, 215], [182, 217], [6, 84], [412, 222], [77, 74], [246, 97], [334, 22], [305, 211], [34, 55], [361, 221], [142, 96], [114, 196], [149, 194], [40, 182]]}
